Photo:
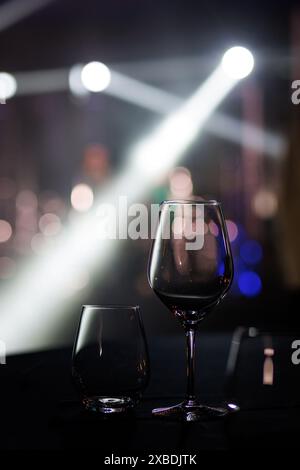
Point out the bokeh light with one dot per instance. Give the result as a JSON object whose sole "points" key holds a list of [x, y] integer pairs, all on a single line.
{"points": [[96, 163], [213, 228], [232, 230], [82, 197], [181, 185], [221, 268], [249, 283], [5, 231], [50, 224], [265, 204], [251, 252]]}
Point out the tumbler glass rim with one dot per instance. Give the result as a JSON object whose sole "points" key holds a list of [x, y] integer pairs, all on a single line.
{"points": [[111, 307], [206, 202]]}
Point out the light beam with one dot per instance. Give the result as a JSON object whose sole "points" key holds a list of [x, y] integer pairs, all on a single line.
{"points": [[30, 308], [13, 11], [152, 99]]}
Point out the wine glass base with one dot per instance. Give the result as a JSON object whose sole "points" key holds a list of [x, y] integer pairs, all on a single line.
{"points": [[189, 411]]}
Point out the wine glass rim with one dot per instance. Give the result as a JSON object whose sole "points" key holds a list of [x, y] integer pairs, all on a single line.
{"points": [[112, 307], [207, 202]]}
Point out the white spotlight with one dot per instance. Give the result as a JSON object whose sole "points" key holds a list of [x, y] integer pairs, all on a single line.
{"points": [[95, 76], [238, 62], [8, 86]]}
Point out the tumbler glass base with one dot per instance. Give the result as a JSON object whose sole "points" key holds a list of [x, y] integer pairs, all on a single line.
{"points": [[108, 405]]}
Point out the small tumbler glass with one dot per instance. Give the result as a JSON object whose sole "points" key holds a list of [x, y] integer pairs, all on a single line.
{"points": [[110, 358]]}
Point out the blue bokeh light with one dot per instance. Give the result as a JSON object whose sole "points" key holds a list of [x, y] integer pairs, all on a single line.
{"points": [[221, 268], [249, 283], [251, 252]]}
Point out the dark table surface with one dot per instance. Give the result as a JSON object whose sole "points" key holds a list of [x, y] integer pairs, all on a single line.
{"points": [[39, 407]]}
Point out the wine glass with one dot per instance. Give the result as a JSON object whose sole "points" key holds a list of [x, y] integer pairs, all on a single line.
{"points": [[110, 358], [190, 270]]}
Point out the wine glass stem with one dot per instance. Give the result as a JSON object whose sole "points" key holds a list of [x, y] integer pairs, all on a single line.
{"points": [[190, 348]]}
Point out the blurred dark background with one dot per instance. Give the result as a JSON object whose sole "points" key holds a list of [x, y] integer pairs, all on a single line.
{"points": [[52, 140]]}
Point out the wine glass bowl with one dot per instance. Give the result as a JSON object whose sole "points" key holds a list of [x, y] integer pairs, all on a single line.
{"points": [[189, 277], [190, 270]]}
